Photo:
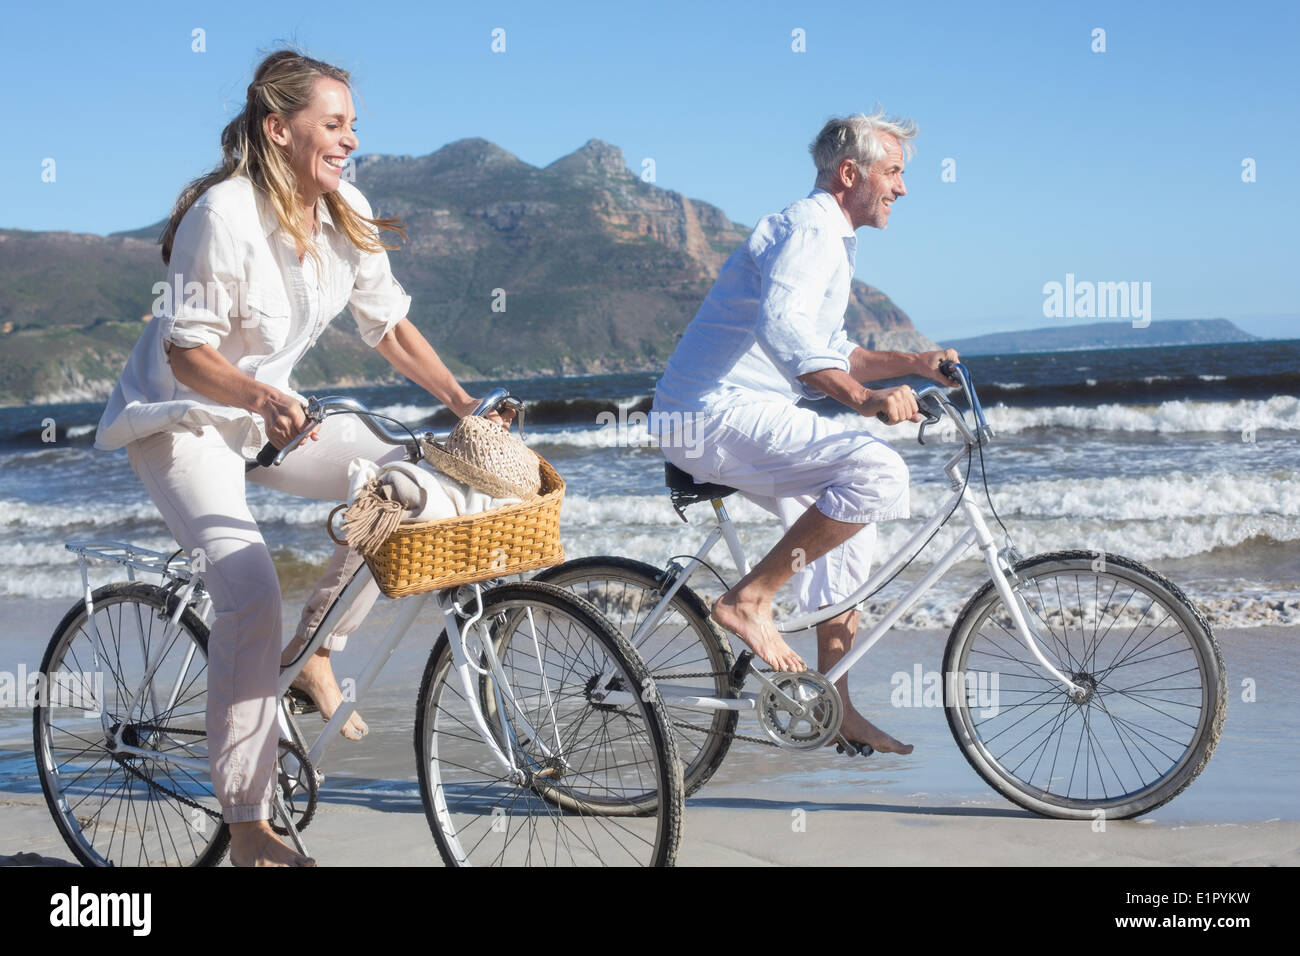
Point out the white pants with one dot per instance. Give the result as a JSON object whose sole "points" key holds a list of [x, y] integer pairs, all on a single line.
{"points": [[785, 459], [198, 484]]}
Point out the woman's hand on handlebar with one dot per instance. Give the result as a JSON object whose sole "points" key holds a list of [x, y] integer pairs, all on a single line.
{"points": [[284, 417], [503, 416]]}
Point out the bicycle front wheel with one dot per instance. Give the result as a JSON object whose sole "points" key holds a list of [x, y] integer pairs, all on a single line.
{"points": [[685, 653], [127, 673], [1153, 676], [571, 755]]}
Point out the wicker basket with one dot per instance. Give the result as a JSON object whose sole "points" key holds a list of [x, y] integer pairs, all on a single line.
{"points": [[427, 555]]}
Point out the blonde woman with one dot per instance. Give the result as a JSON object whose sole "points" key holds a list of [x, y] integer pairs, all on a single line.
{"points": [[262, 253]]}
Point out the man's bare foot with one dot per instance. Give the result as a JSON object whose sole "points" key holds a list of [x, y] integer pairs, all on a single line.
{"points": [[860, 730], [317, 681], [255, 844], [752, 623]]}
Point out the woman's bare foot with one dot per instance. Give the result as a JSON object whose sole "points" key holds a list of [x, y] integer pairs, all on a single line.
{"points": [[255, 844], [860, 730], [317, 681], [752, 623]]}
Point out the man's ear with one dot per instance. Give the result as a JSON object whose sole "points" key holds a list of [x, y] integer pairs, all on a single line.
{"points": [[846, 174]]}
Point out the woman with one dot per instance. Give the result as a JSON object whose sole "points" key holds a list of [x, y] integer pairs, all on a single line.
{"points": [[262, 253]]}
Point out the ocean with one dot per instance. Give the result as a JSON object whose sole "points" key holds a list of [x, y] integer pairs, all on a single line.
{"points": [[1185, 459]]}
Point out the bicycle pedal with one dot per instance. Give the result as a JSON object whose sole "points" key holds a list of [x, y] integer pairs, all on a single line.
{"points": [[854, 749], [741, 669], [300, 703]]}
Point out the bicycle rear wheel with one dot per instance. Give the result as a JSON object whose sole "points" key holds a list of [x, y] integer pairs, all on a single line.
{"points": [[1157, 691], [124, 809], [574, 756], [684, 652]]}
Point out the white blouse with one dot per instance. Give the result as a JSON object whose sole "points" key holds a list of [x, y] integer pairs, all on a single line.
{"points": [[235, 283]]}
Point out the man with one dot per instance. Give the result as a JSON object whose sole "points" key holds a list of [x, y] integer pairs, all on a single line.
{"points": [[771, 332]]}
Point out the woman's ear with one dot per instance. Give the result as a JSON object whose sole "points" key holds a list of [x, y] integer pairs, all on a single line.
{"points": [[276, 129]]}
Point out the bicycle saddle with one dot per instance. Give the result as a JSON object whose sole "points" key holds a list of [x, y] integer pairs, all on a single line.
{"points": [[686, 491]]}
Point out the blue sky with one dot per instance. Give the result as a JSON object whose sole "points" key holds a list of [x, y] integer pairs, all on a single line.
{"points": [[1122, 165]]}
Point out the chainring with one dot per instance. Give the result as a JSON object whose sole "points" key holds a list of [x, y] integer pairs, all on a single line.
{"points": [[823, 711], [298, 784]]}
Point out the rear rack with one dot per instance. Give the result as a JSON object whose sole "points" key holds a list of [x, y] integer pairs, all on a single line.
{"points": [[173, 566], [173, 570]]}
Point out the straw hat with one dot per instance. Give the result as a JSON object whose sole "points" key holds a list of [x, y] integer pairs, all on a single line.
{"points": [[485, 456]]}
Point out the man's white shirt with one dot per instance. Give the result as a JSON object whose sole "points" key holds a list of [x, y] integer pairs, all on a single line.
{"points": [[775, 312]]}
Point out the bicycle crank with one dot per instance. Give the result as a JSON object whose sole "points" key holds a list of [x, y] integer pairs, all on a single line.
{"points": [[298, 784], [799, 711]]}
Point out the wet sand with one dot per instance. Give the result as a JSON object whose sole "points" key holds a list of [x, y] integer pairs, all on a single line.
{"points": [[771, 807]]}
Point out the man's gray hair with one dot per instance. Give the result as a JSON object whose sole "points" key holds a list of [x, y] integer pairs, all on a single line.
{"points": [[857, 137]]}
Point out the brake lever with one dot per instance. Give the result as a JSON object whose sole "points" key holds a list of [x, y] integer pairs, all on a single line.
{"points": [[920, 432]]}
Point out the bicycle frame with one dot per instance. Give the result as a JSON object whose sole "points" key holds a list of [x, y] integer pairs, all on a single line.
{"points": [[190, 592], [410, 610], [977, 535]]}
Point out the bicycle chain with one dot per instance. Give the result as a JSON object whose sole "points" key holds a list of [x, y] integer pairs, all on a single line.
{"points": [[763, 741], [121, 761]]}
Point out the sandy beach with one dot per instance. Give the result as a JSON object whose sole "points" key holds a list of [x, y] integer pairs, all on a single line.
{"points": [[766, 807]]}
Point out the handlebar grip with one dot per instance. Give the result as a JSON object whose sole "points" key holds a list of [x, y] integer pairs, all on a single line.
{"points": [[949, 369], [883, 417], [266, 456]]}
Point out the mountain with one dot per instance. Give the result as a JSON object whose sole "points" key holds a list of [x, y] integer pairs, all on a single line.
{"points": [[1103, 335], [600, 272]]}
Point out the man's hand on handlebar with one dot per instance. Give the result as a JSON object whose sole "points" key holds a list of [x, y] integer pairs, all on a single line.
{"points": [[892, 405], [928, 365]]}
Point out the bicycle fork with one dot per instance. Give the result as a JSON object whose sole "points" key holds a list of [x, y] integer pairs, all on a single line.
{"points": [[506, 703]]}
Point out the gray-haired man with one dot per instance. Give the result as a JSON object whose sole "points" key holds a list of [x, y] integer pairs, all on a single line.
{"points": [[771, 332]]}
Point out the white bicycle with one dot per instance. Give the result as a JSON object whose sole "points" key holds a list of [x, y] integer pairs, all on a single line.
{"points": [[1111, 688], [520, 760]]}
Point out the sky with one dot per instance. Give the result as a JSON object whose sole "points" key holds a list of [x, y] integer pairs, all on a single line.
{"points": [[1161, 150]]}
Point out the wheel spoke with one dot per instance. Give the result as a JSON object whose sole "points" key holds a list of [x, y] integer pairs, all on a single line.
{"points": [[1149, 669], [598, 787], [126, 808]]}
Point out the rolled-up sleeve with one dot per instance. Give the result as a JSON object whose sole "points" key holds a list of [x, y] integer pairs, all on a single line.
{"points": [[378, 301], [797, 273], [204, 275], [840, 343]]}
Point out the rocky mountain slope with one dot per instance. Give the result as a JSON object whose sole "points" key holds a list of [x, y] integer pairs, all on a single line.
{"points": [[598, 271]]}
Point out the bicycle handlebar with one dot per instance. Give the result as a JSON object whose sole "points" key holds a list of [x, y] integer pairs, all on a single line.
{"points": [[320, 409], [933, 402]]}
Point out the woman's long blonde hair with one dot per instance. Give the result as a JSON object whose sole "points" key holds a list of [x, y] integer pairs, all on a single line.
{"points": [[283, 84]]}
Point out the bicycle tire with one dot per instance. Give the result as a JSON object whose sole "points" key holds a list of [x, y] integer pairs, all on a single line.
{"points": [[115, 810], [684, 640], [1150, 729], [586, 756]]}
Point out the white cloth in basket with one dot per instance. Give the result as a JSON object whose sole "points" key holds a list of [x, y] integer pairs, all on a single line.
{"points": [[427, 494]]}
